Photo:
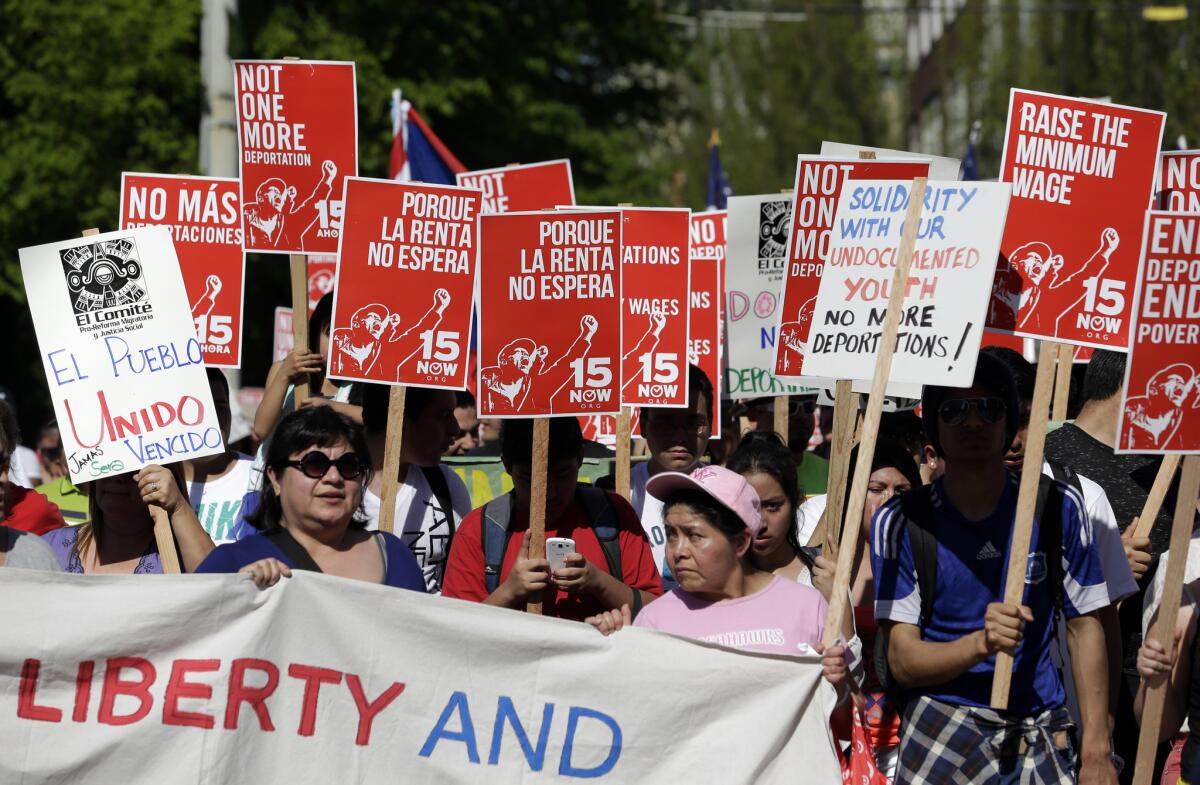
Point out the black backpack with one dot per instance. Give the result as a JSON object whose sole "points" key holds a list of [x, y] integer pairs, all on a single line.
{"points": [[917, 508]]}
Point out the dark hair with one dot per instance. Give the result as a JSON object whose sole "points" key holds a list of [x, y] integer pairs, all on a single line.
{"points": [[463, 399], [516, 440], [1105, 375], [764, 452], [991, 374], [698, 384], [1023, 372], [10, 434], [888, 455], [377, 397], [217, 380], [701, 504], [318, 426], [322, 315]]}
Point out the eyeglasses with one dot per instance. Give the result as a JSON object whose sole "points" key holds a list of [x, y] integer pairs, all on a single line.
{"points": [[954, 412], [795, 407], [316, 463]]}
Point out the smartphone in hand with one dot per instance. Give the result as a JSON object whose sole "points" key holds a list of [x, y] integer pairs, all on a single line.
{"points": [[557, 549]]}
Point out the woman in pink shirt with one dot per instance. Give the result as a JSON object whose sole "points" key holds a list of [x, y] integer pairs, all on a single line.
{"points": [[711, 518]]}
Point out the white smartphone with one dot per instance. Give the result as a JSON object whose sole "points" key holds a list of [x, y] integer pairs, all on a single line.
{"points": [[557, 549]]}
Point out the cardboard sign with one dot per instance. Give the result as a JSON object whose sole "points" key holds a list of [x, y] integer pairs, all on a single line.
{"points": [[940, 167], [405, 283], [524, 187], [323, 663], [819, 181], [655, 280], [203, 216], [549, 314], [706, 328], [322, 270], [1178, 184], [946, 294], [757, 259], [297, 124], [1082, 174], [1160, 408], [284, 339], [119, 348]]}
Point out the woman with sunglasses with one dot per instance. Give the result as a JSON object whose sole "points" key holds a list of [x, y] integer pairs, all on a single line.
{"points": [[316, 468]]}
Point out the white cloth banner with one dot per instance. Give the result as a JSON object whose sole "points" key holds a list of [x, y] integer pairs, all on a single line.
{"points": [[206, 679]]}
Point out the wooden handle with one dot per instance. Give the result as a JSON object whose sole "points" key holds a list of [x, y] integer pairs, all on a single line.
{"points": [[1031, 474], [299, 267], [1168, 611], [845, 412], [780, 419], [1158, 492], [1062, 381], [537, 495], [393, 442], [848, 543], [164, 540], [621, 469]]}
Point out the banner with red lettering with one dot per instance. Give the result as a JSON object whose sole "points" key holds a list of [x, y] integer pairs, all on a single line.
{"points": [[119, 348], [706, 325], [549, 313], [322, 269], [297, 123], [656, 274], [1160, 407], [405, 284], [1082, 175], [819, 182], [199, 679], [203, 216], [522, 187], [1178, 185]]}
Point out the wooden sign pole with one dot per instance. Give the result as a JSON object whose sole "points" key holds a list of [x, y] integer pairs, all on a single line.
{"points": [[537, 495], [393, 442], [839, 599], [299, 265], [1168, 611], [164, 537], [1158, 492], [1062, 381], [624, 439], [780, 420], [1018, 554], [845, 412]]}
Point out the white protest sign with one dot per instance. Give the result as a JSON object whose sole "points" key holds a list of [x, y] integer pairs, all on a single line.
{"points": [[940, 167], [322, 679], [119, 348], [946, 294]]}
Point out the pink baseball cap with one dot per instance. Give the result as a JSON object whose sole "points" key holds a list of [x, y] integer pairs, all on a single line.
{"points": [[729, 489]]}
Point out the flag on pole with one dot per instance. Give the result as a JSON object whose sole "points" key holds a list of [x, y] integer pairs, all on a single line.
{"points": [[718, 184], [970, 165], [417, 153]]}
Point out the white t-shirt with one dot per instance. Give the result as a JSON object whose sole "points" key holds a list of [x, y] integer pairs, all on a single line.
{"points": [[23, 467], [217, 502], [1106, 536], [421, 522], [808, 515], [1153, 596]]}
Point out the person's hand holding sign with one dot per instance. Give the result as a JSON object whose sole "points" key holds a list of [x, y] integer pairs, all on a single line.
{"points": [[299, 363], [1003, 627], [157, 486], [527, 579]]}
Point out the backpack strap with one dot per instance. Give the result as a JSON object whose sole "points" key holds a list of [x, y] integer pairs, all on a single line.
{"points": [[493, 535], [282, 539], [1050, 528], [602, 516], [441, 492], [917, 507]]}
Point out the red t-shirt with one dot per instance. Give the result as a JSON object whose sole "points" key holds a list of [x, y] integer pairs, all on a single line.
{"points": [[30, 511], [464, 570]]}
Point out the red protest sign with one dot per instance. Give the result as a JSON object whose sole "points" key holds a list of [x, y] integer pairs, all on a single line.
{"points": [[405, 282], [322, 269], [297, 123], [656, 271], [524, 187], [549, 313], [1082, 174], [1160, 410], [202, 214], [1178, 186], [818, 185], [706, 301], [284, 338]]}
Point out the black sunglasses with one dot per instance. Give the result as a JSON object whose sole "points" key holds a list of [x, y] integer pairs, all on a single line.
{"points": [[316, 463], [954, 412]]}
